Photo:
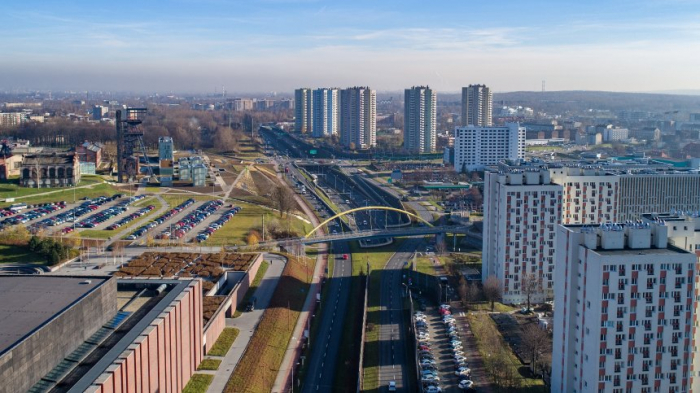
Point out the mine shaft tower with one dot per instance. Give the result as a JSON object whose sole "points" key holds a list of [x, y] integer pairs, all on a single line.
{"points": [[129, 142]]}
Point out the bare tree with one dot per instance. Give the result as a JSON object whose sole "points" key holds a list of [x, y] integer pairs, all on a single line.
{"points": [[493, 289], [463, 290], [530, 285], [283, 198], [536, 341], [473, 292]]}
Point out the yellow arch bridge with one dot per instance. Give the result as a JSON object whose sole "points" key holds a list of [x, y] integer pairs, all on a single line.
{"points": [[362, 209]]}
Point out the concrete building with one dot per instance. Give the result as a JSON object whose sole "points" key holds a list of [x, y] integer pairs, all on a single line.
{"points": [[358, 117], [45, 318], [613, 134], [90, 152], [595, 193], [477, 104], [303, 110], [10, 165], [242, 104], [625, 311], [325, 108], [166, 148], [99, 111], [646, 133], [479, 147], [199, 175], [50, 170], [419, 130], [11, 119], [522, 209]]}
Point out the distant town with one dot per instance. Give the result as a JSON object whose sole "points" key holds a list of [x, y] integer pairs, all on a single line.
{"points": [[334, 239]]}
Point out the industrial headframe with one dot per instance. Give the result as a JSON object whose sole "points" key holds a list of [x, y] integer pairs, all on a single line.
{"points": [[129, 140]]}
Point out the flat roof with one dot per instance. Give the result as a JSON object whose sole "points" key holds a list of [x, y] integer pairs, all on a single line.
{"points": [[641, 251], [31, 301]]}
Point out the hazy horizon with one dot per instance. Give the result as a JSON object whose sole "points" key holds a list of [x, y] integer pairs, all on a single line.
{"points": [[278, 45]]}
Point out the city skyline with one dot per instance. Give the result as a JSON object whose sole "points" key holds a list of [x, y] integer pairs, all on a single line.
{"points": [[201, 46]]}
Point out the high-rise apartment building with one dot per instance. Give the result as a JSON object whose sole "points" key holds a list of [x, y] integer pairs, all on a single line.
{"points": [[626, 310], [326, 118], [522, 209], [303, 110], [477, 103], [358, 117], [419, 132], [595, 193], [478, 147]]}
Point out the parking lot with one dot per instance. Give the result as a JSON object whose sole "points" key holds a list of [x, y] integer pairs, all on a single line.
{"points": [[443, 361]]}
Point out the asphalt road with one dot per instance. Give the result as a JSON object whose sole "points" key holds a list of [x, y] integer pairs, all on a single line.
{"points": [[324, 351], [393, 330]]}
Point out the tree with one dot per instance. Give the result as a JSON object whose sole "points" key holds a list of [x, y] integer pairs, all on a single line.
{"points": [[283, 198], [535, 341], [252, 239], [530, 285], [150, 241], [492, 290], [463, 290]]}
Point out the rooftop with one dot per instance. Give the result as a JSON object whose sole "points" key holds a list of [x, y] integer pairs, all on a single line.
{"points": [[29, 302]]}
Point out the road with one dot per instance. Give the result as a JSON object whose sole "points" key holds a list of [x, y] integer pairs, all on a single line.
{"points": [[393, 330], [323, 359]]}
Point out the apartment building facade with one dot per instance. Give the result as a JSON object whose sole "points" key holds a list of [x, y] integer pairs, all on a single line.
{"points": [[477, 105], [479, 147], [358, 117], [522, 209], [626, 310], [420, 119]]}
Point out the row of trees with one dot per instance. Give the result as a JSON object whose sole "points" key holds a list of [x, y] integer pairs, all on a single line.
{"points": [[189, 129]]}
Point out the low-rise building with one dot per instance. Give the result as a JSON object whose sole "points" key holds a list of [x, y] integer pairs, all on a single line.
{"points": [[90, 152], [50, 170]]}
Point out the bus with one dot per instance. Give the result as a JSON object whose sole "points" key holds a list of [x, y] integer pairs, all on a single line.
{"points": [[18, 207]]}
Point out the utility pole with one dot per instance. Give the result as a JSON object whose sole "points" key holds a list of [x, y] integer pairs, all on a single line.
{"points": [[263, 227]]}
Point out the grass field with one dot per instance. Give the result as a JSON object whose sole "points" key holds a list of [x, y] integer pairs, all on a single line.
{"points": [[253, 287], [18, 254], [260, 364], [501, 364], [12, 189], [61, 194], [486, 306], [425, 266], [199, 383], [235, 231], [209, 364], [224, 342], [104, 234]]}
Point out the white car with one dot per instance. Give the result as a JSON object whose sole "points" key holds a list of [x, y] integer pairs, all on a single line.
{"points": [[392, 386], [463, 372], [466, 384], [433, 389]]}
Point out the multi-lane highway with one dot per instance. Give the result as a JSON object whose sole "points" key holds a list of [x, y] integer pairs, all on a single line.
{"points": [[393, 331], [320, 376]]}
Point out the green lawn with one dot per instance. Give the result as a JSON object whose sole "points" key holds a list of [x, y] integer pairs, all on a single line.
{"points": [[425, 266], [12, 189], [250, 217], [209, 364], [224, 342], [253, 287], [62, 194], [18, 254], [199, 383], [104, 234], [486, 306]]}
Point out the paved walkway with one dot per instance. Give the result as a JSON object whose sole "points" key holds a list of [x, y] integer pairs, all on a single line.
{"points": [[247, 323]]}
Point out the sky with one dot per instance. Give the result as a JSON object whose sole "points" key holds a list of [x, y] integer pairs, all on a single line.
{"points": [[201, 46]]}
